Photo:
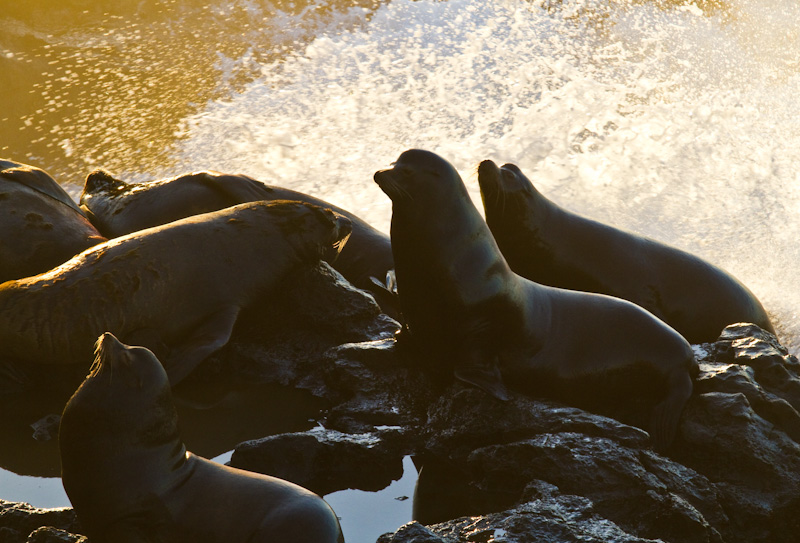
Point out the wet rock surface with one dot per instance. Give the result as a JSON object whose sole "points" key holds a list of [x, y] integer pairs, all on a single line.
{"points": [[530, 469]]}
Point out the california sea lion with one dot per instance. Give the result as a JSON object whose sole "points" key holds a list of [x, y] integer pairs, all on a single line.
{"points": [[130, 478], [177, 289], [117, 208], [552, 246], [462, 302], [40, 226]]}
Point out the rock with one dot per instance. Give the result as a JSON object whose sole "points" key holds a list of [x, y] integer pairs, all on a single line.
{"points": [[580, 453], [18, 520], [326, 461], [530, 469], [731, 476], [48, 534], [284, 338], [46, 428], [561, 519]]}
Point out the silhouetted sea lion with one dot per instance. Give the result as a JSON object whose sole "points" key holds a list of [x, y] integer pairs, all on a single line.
{"points": [[117, 208], [130, 478], [40, 226], [177, 289], [463, 303], [552, 246]]}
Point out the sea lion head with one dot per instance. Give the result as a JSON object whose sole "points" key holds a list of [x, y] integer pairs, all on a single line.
{"points": [[100, 200], [420, 180], [316, 233], [126, 398], [501, 185], [101, 182], [509, 198]]}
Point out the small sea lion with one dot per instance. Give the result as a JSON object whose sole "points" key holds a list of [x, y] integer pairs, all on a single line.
{"points": [[462, 302], [177, 289], [130, 478], [40, 225], [117, 208], [552, 246]]}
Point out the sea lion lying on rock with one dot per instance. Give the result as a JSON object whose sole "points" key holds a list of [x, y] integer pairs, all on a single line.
{"points": [[550, 245], [177, 289], [40, 226], [131, 479], [117, 208], [462, 302]]}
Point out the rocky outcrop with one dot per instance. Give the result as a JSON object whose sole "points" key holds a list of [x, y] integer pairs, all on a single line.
{"points": [[19, 523], [530, 469]]}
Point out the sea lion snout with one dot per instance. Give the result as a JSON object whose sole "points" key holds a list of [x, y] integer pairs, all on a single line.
{"points": [[107, 349], [488, 171], [489, 178], [384, 178]]}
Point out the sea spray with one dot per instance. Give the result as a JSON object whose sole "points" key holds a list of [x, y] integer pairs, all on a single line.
{"points": [[665, 120]]}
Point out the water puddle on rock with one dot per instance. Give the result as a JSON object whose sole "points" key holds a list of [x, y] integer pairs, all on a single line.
{"points": [[30, 468]]}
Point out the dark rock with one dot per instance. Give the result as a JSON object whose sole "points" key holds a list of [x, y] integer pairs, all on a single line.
{"points": [[48, 534], [530, 469], [46, 428], [284, 338], [18, 520], [503, 447], [326, 461], [561, 519]]}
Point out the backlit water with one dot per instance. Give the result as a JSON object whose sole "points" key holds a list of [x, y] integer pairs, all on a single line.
{"points": [[677, 120]]}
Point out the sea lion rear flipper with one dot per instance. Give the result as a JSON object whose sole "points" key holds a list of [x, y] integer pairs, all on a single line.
{"points": [[210, 336], [483, 375]]}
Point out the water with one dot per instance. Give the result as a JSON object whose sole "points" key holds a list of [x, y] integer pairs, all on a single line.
{"points": [[673, 119], [676, 120]]}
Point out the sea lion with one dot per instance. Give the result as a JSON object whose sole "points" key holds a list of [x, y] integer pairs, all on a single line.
{"points": [[130, 478], [177, 289], [117, 208], [40, 225], [552, 246], [462, 302]]}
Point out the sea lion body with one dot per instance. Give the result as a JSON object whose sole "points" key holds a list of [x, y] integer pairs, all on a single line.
{"points": [[130, 479], [177, 288], [117, 208], [40, 226], [550, 245], [463, 303]]}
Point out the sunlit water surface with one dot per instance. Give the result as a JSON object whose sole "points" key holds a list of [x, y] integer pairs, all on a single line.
{"points": [[676, 120]]}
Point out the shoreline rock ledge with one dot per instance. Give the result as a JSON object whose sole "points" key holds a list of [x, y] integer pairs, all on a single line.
{"points": [[527, 470]]}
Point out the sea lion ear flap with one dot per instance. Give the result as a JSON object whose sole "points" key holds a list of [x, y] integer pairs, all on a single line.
{"points": [[483, 375]]}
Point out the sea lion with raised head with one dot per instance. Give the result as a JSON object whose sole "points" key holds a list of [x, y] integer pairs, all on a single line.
{"points": [[117, 208], [462, 302], [130, 478], [552, 246], [177, 289], [40, 226]]}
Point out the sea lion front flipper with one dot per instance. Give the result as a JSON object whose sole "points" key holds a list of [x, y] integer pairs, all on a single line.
{"points": [[666, 415], [210, 336], [485, 375]]}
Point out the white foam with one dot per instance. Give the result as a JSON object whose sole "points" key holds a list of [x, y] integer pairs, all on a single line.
{"points": [[678, 124]]}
